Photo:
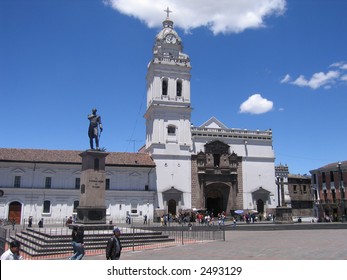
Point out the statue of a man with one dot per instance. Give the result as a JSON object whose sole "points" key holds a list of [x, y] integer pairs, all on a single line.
{"points": [[93, 131]]}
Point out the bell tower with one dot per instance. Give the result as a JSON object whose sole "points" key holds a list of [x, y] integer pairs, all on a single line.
{"points": [[168, 114]]}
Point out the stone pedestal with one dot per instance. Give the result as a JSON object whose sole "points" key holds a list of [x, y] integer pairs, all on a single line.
{"points": [[284, 215], [91, 209]]}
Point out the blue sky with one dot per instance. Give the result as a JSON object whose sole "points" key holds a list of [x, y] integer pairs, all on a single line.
{"points": [[256, 64]]}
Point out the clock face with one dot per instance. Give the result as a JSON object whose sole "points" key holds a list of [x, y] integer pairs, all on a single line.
{"points": [[170, 38]]}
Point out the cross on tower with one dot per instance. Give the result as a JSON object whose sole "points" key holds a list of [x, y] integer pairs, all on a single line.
{"points": [[167, 12]]}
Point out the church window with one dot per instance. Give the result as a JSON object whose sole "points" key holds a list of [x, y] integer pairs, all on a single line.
{"points": [[164, 87], [77, 183], [17, 180], [46, 207], [216, 160], [107, 184], [179, 88], [48, 182], [171, 130]]}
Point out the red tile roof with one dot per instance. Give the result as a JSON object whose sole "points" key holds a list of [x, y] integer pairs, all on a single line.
{"points": [[72, 157]]}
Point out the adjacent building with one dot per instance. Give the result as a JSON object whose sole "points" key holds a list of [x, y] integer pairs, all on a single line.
{"points": [[329, 183], [302, 197]]}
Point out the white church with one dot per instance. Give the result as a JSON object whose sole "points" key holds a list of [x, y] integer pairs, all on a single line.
{"points": [[180, 168]]}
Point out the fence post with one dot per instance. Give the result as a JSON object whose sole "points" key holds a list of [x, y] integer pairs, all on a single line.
{"points": [[133, 238], [182, 235]]}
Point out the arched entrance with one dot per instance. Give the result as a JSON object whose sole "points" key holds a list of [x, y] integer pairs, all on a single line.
{"points": [[15, 211], [260, 206], [214, 201], [172, 206]]}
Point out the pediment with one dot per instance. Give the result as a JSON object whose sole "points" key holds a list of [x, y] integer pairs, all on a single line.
{"points": [[49, 171], [136, 174], [18, 171], [261, 190], [214, 123], [172, 190]]}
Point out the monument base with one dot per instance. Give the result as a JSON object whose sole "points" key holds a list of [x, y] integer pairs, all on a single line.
{"points": [[284, 215], [91, 215]]}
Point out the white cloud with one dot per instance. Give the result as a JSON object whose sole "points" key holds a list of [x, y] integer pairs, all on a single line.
{"points": [[344, 78], [286, 79], [222, 16], [317, 80], [341, 65], [320, 79], [256, 104]]}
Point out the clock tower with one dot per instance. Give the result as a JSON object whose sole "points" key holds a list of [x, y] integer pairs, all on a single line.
{"points": [[168, 114]]}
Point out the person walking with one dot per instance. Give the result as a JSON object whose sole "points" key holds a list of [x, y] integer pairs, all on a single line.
{"points": [[77, 243], [114, 246], [30, 223], [13, 252]]}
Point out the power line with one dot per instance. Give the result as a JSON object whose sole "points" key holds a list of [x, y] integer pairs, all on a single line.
{"points": [[134, 141], [136, 121]]}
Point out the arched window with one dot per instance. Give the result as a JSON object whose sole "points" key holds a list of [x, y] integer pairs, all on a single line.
{"points": [[179, 88], [46, 207], [164, 87]]}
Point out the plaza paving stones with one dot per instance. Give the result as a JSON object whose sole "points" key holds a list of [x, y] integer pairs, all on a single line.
{"points": [[310, 244]]}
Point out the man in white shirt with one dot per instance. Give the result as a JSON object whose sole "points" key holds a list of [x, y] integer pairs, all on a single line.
{"points": [[13, 252]]}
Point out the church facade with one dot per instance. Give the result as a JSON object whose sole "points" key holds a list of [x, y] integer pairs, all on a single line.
{"points": [[181, 167], [207, 167]]}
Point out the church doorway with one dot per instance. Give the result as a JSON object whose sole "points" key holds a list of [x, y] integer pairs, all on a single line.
{"points": [[260, 206], [15, 211], [172, 207], [214, 202]]}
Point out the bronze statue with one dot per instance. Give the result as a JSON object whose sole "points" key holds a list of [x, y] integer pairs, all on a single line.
{"points": [[93, 131]]}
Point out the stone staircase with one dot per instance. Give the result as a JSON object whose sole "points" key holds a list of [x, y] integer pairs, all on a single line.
{"points": [[57, 241]]}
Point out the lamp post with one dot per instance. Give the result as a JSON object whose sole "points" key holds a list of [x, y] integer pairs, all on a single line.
{"points": [[148, 212], [342, 192], [278, 191]]}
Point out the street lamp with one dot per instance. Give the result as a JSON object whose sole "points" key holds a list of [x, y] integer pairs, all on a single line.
{"points": [[278, 191], [342, 192], [147, 211]]}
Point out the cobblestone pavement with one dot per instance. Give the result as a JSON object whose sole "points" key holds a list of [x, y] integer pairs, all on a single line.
{"points": [[318, 244]]}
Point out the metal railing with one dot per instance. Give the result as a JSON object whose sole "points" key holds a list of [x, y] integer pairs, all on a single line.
{"points": [[55, 242]]}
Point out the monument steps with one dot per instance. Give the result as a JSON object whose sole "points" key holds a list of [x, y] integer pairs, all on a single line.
{"points": [[40, 242]]}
